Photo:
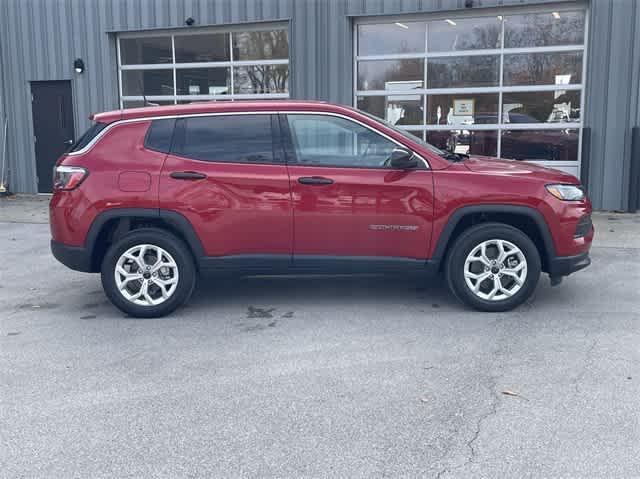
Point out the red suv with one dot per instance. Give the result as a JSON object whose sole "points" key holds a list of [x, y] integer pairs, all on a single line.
{"points": [[150, 197]]}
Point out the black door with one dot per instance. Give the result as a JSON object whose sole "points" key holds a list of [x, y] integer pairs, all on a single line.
{"points": [[52, 109]]}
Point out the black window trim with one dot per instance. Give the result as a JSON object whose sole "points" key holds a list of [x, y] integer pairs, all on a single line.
{"points": [[278, 157]]}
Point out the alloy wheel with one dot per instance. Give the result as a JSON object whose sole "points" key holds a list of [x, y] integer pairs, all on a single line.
{"points": [[495, 270], [146, 275]]}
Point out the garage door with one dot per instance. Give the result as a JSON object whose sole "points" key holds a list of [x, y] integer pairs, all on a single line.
{"points": [[502, 83]]}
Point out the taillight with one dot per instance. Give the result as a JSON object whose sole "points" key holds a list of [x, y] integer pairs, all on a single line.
{"points": [[68, 177]]}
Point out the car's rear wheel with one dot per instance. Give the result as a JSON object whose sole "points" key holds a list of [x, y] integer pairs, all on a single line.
{"points": [[148, 273], [493, 267]]}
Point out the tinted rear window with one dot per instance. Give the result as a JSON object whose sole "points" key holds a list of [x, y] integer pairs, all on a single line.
{"points": [[160, 135], [227, 138], [87, 136]]}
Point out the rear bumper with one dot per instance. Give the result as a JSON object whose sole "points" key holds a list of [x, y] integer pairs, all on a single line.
{"points": [[74, 257], [565, 265]]}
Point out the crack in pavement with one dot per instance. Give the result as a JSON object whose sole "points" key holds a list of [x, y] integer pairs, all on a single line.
{"points": [[492, 411], [588, 360]]}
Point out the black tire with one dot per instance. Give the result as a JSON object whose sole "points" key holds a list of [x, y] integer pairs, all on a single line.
{"points": [[464, 245], [172, 245]]}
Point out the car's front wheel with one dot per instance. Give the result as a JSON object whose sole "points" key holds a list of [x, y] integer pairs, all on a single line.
{"points": [[148, 273], [493, 267]]}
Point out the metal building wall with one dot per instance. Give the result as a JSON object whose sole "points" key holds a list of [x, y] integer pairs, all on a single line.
{"points": [[612, 101], [41, 38]]}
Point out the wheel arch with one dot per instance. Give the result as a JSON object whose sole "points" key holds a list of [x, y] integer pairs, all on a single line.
{"points": [[527, 219], [114, 223]]}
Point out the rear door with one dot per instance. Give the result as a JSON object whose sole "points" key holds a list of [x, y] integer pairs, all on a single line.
{"points": [[226, 175], [349, 205]]}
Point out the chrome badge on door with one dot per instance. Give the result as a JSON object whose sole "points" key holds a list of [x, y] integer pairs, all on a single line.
{"points": [[393, 227]]}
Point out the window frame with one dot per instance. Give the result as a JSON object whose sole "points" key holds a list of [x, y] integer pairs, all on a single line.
{"points": [[174, 66], [573, 166], [291, 154]]}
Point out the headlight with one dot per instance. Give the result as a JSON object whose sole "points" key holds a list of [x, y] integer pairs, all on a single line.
{"points": [[566, 192]]}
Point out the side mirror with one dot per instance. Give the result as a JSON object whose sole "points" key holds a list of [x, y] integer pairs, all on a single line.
{"points": [[402, 159]]}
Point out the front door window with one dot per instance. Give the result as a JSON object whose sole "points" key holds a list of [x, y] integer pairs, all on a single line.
{"points": [[333, 141]]}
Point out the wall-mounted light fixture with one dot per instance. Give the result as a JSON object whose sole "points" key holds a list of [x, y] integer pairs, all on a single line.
{"points": [[78, 65], [189, 21]]}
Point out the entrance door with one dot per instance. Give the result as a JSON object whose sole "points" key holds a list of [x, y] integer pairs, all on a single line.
{"points": [[52, 109]]}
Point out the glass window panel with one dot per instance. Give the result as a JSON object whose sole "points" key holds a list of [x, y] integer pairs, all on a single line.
{"points": [[543, 68], [267, 45], [464, 34], [384, 39], [147, 82], [135, 51], [202, 48], [261, 79], [560, 106], [204, 81], [462, 109], [470, 142], [416, 133], [232, 138], [331, 141], [544, 29], [397, 110], [140, 103], [458, 72], [548, 145], [188, 102], [390, 74]]}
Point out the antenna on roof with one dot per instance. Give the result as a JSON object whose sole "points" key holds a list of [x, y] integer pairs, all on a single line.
{"points": [[144, 97]]}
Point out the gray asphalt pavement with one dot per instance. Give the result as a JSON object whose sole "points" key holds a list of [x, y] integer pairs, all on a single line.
{"points": [[316, 377]]}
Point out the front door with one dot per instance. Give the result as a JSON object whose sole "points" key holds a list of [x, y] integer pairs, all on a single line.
{"points": [[53, 131], [349, 204], [228, 178]]}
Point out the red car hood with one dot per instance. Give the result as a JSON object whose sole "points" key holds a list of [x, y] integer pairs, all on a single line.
{"points": [[494, 166]]}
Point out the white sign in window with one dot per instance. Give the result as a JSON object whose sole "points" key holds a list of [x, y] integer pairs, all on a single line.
{"points": [[463, 107]]}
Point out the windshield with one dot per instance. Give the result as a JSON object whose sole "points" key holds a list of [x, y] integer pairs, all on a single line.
{"points": [[406, 134]]}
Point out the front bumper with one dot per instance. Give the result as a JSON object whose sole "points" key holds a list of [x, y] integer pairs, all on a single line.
{"points": [[565, 265], [74, 257]]}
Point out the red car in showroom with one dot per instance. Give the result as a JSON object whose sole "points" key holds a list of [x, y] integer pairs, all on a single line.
{"points": [[150, 197]]}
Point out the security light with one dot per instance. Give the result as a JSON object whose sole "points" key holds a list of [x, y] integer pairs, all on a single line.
{"points": [[556, 15], [402, 25], [189, 21], [78, 65], [451, 22]]}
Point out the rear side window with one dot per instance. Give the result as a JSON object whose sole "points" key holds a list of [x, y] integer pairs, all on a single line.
{"points": [[87, 136], [160, 135], [227, 138]]}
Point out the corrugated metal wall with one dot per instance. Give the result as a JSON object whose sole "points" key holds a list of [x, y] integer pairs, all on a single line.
{"points": [[612, 100], [41, 38]]}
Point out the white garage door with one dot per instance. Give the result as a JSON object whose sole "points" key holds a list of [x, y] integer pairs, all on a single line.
{"points": [[500, 83]]}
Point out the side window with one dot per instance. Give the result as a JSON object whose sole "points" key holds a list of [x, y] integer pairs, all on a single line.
{"points": [[227, 138], [332, 141], [87, 136], [159, 135]]}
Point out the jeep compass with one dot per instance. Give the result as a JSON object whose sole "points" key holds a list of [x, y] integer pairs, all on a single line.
{"points": [[151, 197]]}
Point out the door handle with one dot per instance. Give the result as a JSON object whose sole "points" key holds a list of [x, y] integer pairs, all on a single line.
{"points": [[187, 175], [314, 180]]}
